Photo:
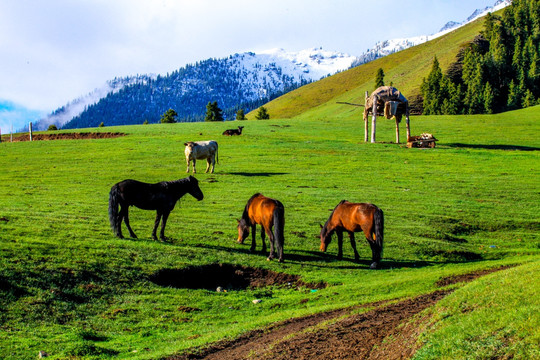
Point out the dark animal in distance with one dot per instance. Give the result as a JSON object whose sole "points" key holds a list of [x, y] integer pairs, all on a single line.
{"points": [[161, 197], [269, 213], [355, 217], [232, 132], [196, 150]]}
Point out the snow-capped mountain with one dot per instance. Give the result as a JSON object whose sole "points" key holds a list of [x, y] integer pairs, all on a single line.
{"points": [[387, 47], [240, 81]]}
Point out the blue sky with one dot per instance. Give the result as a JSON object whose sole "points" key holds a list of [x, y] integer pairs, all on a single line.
{"points": [[54, 51]]}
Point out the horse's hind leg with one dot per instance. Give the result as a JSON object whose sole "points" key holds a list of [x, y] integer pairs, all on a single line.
{"points": [[375, 250], [271, 241], [375, 253], [353, 244], [156, 224]]}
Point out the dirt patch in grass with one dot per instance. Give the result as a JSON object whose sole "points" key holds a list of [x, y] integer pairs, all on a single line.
{"points": [[67, 136], [388, 331], [454, 279], [227, 277]]}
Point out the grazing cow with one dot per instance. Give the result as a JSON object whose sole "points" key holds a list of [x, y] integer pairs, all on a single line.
{"points": [[231, 132], [197, 150]]}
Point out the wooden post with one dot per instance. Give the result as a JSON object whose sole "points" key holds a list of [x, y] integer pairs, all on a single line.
{"points": [[397, 131], [408, 127], [374, 118], [366, 129], [366, 123], [30, 130]]}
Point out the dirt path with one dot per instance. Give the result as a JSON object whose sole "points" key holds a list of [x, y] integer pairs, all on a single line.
{"points": [[64, 136], [388, 331]]}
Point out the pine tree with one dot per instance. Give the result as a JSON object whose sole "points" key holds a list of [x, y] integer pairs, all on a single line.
{"points": [[262, 114], [240, 115], [169, 117], [431, 90], [379, 78], [489, 99], [528, 99], [213, 112], [513, 96]]}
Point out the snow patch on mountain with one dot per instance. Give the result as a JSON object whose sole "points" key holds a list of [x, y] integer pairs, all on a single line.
{"points": [[387, 47], [261, 74]]}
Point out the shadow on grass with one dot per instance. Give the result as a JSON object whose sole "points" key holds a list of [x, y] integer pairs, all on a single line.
{"points": [[493, 147], [321, 260], [252, 174]]}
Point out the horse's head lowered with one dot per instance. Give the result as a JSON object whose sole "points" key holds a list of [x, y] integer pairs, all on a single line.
{"points": [[194, 189], [326, 237], [243, 230]]}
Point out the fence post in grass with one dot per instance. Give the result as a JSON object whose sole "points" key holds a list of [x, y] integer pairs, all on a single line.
{"points": [[366, 126], [374, 117], [30, 130], [0, 135], [397, 131]]}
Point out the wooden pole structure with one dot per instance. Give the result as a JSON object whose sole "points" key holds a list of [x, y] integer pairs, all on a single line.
{"points": [[374, 118], [366, 125], [30, 130], [407, 120], [397, 131]]}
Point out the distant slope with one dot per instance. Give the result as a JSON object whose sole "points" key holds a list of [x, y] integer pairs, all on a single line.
{"points": [[405, 69]]}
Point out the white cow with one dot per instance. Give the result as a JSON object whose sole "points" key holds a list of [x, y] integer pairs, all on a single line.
{"points": [[197, 150]]}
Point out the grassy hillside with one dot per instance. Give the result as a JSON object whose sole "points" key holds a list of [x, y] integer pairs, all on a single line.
{"points": [[70, 288], [404, 69]]}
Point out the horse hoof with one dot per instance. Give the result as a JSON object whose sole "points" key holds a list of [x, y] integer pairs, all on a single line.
{"points": [[268, 259], [373, 265]]}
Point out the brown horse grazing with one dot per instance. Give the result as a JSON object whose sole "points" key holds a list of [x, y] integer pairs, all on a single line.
{"points": [[268, 213], [351, 217]]}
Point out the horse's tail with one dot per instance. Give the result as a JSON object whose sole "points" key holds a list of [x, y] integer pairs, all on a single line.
{"points": [[279, 224], [378, 219], [113, 210], [217, 152]]}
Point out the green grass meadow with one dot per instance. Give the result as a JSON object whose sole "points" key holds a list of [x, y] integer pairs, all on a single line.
{"points": [[70, 288]]}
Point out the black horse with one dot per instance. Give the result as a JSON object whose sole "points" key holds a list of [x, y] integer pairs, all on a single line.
{"points": [[161, 197]]}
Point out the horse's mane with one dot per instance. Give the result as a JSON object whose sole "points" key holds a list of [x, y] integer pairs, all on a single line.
{"points": [[245, 214], [175, 184], [330, 217]]}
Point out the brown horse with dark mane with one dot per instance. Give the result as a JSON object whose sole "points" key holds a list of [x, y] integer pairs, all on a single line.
{"points": [[269, 213], [355, 217]]}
